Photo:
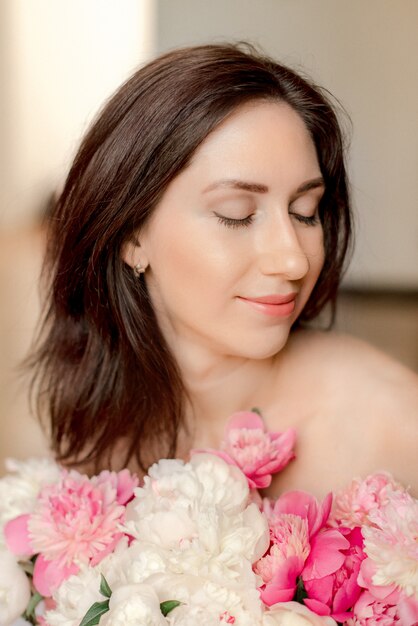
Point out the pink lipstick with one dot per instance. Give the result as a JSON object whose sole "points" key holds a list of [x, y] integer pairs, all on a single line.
{"points": [[273, 305]]}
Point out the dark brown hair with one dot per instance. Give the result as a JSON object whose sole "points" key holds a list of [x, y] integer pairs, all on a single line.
{"points": [[103, 367]]}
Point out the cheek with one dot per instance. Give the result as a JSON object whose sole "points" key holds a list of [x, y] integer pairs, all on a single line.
{"points": [[313, 246], [187, 265]]}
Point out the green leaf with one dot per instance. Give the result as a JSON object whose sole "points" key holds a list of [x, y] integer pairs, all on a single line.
{"points": [[256, 410], [168, 606], [93, 615], [300, 594], [105, 590], [32, 604]]}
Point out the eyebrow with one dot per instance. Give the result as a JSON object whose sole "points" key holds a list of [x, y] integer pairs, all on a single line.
{"points": [[259, 188]]}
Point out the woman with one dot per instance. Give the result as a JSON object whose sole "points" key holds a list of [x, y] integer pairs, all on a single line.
{"points": [[204, 222]]}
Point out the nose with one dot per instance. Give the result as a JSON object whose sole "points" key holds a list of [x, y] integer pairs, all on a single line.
{"points": [[281, 252]]}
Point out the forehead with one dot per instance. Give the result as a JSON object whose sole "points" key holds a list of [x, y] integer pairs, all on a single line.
{"points": [[257, 139], [266, 143]]}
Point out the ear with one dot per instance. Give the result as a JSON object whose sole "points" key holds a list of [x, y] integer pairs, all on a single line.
{"points": [[133, 254]]}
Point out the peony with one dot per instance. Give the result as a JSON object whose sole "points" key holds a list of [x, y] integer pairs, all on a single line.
{"points": [[223, 485], [294, 614], [14, 589], [331, 572], [280, 567], [301, 504], [186, 615], [209, 602], [352, 505], [123, 483], [257, 453], [391, 546], [293, 520], [206, 480], [75, 521], [371, 612], [74, 597], [197, 513], [132, 605]]}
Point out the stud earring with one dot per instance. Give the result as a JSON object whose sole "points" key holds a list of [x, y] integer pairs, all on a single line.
{"points": [[138, 270]]}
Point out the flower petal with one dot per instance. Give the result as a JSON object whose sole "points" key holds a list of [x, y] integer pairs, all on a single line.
{"points": [[48, 575], [17, 538], [244, 419], [325, 557]]}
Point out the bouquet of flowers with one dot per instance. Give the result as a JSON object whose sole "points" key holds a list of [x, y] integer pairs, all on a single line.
{"points": [[196, 543]]}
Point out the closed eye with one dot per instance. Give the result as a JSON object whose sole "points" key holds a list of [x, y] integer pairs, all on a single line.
{"points": [[310, 221], [234, 223]]}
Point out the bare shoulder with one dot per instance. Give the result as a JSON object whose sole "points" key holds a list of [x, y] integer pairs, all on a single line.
{"points": [[369, 397], [343, 357]]}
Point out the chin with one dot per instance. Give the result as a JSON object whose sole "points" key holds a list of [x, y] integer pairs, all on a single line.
{"points": [[260, 348]]}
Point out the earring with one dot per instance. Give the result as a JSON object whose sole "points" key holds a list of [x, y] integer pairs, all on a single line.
{"points": [[138, 270]]}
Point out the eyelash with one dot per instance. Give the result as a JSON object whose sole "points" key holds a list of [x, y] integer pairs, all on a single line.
{"points": [[310, 221], [231, 223], [246, 221]]}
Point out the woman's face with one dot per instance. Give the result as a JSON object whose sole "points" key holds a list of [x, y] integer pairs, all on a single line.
{"points": [[238, 225]]}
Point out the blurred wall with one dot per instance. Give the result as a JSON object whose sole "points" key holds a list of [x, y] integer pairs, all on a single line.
{"points": [[365, 53], [60, 60]]}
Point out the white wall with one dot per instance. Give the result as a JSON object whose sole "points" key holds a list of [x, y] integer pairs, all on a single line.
{"points": [[365, 52], [60, 59]]}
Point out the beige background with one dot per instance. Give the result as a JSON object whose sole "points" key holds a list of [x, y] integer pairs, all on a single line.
{"points": [[59, 60]]}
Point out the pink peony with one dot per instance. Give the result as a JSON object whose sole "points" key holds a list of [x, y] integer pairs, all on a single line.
{"points": [[331, 571], [124, 482], [293, 519], [282, 565], [301, 504], [75, 521], [257, 453], [369, 611], [352, 505]]}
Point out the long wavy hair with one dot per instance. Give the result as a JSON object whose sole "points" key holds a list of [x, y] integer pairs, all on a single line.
{"points": [[102, 369]]}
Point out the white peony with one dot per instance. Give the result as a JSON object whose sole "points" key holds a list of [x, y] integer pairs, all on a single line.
{"points": [[391, 543], [74, 597], [14, 589], [248, 534], [186, 615], [197, 514], [209, 600], [206, 481], [294, 614], [136, 564], [19, 489], [223, 485], [134, 605]]}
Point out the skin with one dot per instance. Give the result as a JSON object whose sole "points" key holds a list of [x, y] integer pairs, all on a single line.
{"points": [[200, 270]]}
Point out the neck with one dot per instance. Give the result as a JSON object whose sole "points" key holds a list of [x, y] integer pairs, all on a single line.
{"points": [[219, 385]]}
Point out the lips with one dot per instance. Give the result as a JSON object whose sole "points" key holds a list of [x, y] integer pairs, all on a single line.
{"points": [[273, 305], [274, 299]]}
